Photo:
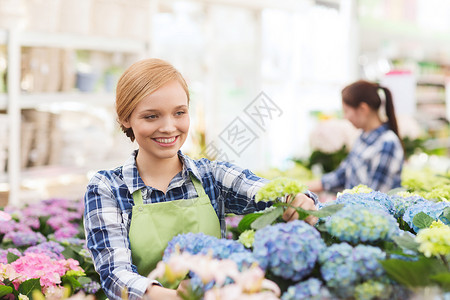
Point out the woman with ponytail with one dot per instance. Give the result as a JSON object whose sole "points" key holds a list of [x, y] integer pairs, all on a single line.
{"points": [[376, 159]]}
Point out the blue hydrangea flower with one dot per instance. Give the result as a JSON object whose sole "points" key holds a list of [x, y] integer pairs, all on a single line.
{"points": [[432, 209], [373, 199], [356, 223], [311, 289], [401, 204], [343, 267], [244, 260], [199, 243], [51, 249], [288, 250]]}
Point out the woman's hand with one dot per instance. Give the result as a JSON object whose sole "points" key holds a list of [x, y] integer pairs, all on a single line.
{"points": [[156, 292], [303, 201]]}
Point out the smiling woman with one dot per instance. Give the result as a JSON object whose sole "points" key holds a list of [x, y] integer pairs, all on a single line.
{"points": [[133, 211]]}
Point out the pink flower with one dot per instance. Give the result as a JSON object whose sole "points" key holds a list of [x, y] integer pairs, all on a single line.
{"points": [[39, 265], [4, 216]]}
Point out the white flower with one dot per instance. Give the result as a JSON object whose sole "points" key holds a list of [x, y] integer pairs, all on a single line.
{"points": [[409, 127], [331, 135]]}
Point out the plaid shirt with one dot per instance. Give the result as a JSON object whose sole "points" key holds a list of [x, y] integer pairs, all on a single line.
{"points": [[109, 202], [376, 160]]}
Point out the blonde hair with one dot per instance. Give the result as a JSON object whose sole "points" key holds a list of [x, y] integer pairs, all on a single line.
{"points": [[140, 80]]}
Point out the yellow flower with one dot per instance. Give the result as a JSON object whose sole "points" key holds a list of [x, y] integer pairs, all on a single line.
{"points": [[247, 238], [359, 189], [435, 240]]}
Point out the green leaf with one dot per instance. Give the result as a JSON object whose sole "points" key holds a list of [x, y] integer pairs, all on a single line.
{"points": [[302, 213], [443, 279], [446, 213], [84, 280], [11, 257], [71, 280], [5, 290], [27, 287], [267, 218], [247, 220], [396, 190], [406, 242], [326, 211], [422, 220], [413, 273]]}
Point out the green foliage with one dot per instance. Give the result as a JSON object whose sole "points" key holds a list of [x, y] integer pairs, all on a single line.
{"points": [[247, 220], [11, 257], [28, 286], [413, 273], [327, 161], [422, 220], [443, 279], [5, 290], [267, 218], [406, 242]]}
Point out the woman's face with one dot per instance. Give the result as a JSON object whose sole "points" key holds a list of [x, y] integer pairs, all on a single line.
{"points": [[354, 115], [160, 122]]}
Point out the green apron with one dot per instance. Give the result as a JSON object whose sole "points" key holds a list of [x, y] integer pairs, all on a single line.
{"points": [[154, 225]]}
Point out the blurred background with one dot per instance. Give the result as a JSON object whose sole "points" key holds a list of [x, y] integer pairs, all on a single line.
{"points": [[265, 78]]}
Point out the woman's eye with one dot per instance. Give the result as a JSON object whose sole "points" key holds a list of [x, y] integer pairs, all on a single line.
{"points": [[179, 113], [151, 117]]}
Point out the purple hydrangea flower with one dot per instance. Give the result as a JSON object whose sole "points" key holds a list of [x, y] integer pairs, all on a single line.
{"points": [[356, 223], [432, 209], [67, 232], [199, 243], [343, 267], [289, 250], [91, 287], [233, 221], [51, 249], [20, 238], [311, 289], [13, 226]]}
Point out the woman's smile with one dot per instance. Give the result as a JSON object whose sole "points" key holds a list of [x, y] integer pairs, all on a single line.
{"points": [[166, 142]]}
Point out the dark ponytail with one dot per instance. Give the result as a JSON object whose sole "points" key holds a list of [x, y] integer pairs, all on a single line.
{"points": [[390, 111]]}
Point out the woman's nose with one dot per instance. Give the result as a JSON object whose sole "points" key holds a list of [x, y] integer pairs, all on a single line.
{"points": [[168, 125]]}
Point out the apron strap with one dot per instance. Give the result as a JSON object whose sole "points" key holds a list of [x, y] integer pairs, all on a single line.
{"points": [[198, 186], [137, 197]]}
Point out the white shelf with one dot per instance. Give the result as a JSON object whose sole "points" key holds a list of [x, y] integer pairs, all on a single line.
{"points": [[40, 100], [76, 41]]}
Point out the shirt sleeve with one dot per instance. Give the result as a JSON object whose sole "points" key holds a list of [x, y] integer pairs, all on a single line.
{"points": [[107, 241], [386, 165], [335, 179], [239, 187]]}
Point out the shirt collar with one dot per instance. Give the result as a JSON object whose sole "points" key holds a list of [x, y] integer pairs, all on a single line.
{"points": [[134, 182], [189, 166], [371, 136]]}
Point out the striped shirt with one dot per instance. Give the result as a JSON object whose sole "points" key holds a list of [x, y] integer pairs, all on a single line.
{"points": [[109, 202], [376, 160]]}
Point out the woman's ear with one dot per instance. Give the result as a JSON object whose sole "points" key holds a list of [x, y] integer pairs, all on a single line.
{"points": [[126, 123], [364, 108]]}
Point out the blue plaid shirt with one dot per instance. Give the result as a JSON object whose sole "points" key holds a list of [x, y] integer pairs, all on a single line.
{"points": [[376, 160], [109, 202]]}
